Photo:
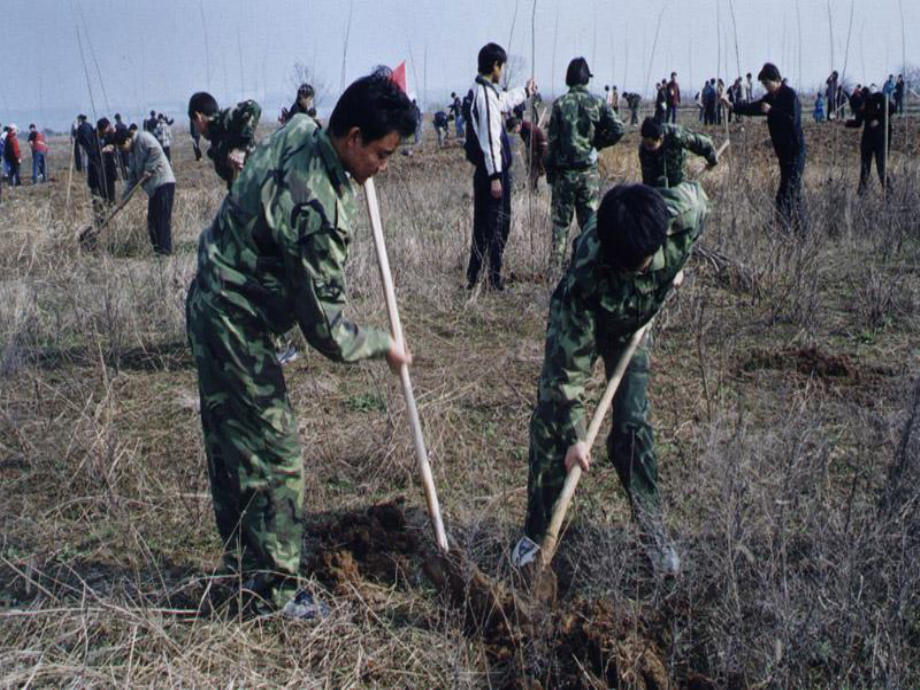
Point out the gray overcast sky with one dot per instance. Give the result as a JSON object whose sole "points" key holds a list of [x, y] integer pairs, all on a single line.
{"points": [[153, 54]]}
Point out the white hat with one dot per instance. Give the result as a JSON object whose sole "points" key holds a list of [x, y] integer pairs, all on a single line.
{"points": [[13, 128]]}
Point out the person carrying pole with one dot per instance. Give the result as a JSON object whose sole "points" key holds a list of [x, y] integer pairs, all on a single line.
{"points": [[274, 256], [627, 260]]}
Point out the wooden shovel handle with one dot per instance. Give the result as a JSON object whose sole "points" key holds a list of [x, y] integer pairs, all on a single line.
{"points": [[561, 507], [431, 494]]}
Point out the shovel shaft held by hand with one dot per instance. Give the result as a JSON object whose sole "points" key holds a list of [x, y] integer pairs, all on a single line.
{"points": [[431, 494], [551, 540]]}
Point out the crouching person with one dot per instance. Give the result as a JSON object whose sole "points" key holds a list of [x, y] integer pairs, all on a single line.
{"points": [[626, 262], [275, 256]]}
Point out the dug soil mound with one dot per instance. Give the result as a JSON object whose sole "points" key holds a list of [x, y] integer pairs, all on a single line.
{"points": [[576, 643], [375, 545], [808, 362]]}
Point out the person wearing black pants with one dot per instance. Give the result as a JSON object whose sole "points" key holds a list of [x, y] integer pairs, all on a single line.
{"points": [[489, 149], [871, 117], [491, 225], [783, 111], [159, 218], [150, 168]]}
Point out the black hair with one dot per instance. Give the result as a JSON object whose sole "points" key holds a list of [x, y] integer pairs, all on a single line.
{"points": [[376, 106], [632, 224], [651, 129], [32, 126], [152, 113], [103, 124], [122, 135], [202, 102], [81, 118], [578, 73], [511, 123], [118, 117], [489, 55], [305, 91], [769, 72], [453, 94], [132, 128]]}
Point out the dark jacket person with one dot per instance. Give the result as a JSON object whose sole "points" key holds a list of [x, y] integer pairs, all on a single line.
{"points": [[783, 111]]}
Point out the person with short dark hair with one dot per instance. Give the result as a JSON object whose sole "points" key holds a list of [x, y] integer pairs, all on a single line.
{"points": [[441, 126], [871, 117], [273, 257], [163, 134], [899, 88], [456, 112], [783, 110], [231, 132], [12, 156], [302, 105], [150, 124], [148, 159], [831, 93], [74, 141], [109, 155], [626, 262], [536, 146], [673, 98], [581, 125], [661, 100], [489, 149], [633, 100], [39, 154], [122, 156], [88, 139], [663, 152]]}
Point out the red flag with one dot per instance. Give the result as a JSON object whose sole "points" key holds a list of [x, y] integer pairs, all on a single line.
{"points": [[399, 76]]}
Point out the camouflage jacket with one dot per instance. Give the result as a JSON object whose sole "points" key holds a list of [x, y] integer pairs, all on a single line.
{"points": [[665, 167], [229, 130], [581, 124], [595, 309], [275, 254]]}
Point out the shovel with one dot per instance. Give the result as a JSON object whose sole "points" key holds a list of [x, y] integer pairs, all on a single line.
{"points": [[543, 582], [421, 455], [87, 236], [450, 570]]}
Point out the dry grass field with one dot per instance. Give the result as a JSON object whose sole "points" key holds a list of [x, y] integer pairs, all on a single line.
{"points": [[781, 405]]}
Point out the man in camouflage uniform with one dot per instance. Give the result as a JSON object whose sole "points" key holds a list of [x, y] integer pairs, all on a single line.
{"points": [[580, 125], [275, 256], [626, 261], [232, 132], [663, 152]]}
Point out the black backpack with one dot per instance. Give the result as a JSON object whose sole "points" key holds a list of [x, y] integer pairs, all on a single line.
{"points": [[471, 143]]}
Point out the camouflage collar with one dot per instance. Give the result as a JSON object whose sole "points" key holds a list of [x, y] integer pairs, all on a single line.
{"points": [[333, 163], [578, 88]]}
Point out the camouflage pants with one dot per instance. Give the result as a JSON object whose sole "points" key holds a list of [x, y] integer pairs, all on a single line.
{"points": [[575, 192], [630, 446], [254, 459]]}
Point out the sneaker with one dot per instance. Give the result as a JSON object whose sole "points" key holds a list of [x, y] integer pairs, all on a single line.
{"points": [[288, 355], [524, 552], [304, 607]]}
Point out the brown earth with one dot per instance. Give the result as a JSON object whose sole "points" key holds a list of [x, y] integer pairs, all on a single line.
{"points": [[579, 643]]}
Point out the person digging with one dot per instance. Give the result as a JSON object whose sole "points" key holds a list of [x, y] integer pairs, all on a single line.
{"points": [[274, 256], [628, 259]]}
